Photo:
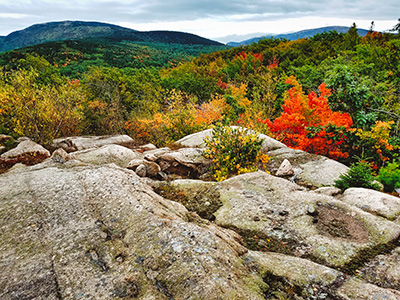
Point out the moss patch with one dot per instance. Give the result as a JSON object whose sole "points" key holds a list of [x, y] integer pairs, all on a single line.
{"points": [[203, 199], [258, 241], [366, 255]]}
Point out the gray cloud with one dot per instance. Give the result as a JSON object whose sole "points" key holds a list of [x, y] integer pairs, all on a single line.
{"points": [[18, 14]]}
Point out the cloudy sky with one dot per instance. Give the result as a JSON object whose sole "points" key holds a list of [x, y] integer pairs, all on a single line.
{"points": [[223, 20]]}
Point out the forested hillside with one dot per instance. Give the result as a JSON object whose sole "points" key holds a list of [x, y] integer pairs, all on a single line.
{"points": [[73, 58], [335, 94], [79, 30]]}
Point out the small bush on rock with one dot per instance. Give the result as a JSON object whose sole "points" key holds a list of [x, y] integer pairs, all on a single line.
{"points": [[359, 175], [233, 151]]}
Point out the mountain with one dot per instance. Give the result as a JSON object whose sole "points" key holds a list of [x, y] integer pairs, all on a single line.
{"points": [[299, 34], [80, 30]]}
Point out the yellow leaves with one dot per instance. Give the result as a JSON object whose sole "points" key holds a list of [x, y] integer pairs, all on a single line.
{"points": [[377, 138], [210, 112], [234, 151], [97, 104], [180, 117], [40, 112]]}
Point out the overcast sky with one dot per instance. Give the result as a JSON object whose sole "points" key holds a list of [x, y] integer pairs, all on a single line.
{"points": [[213, 19]]}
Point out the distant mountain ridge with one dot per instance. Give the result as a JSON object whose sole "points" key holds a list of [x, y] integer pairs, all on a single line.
{"points": [[299, 34], [80, 30]]}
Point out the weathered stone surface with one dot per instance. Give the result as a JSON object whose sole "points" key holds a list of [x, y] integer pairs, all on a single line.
{"points": [[300, 222], [357, 289], [150, 157], [152, 169], [69, 232], [75, 230], [119, 155], [196, 140], [310, 280], [379, 203], [60, 156], [285, 169], [27, 152], [197, 196], [141, 170], [78, 143], [185, 162], [156, 152], [270, 143], [147, 147], [328, 190], [310, 169], [322, 172], [383, 270]]}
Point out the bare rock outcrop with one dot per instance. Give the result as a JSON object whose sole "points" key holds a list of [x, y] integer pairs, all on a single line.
{"points": [[27, 152], [119, 155], [309, 169], [151, 169], [83, 225], [78, 143], [185, 162], [310, 243], [74, 231], [299, 221], [379, 203]]}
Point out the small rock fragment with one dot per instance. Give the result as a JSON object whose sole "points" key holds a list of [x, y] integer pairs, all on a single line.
{"points": [[141, 171], [285, 169], [147, 147], [60, 156]]}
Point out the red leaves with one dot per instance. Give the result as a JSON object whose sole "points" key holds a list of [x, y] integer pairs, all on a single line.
{"points": [[307, 122]]}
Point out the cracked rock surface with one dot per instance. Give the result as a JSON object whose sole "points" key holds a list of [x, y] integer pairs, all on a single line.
{"points": [[71, 231], [86, 227]]}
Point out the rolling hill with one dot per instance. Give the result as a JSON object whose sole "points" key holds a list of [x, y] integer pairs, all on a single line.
{"points": [[298, 35], [80, 30]]}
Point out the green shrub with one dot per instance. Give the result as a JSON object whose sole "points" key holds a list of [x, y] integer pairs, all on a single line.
{"points": [[359, 175], [233, 151], [389, 176]]}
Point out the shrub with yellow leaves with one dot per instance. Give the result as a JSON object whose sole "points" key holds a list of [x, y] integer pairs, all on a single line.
{"points": [[234, 150]]}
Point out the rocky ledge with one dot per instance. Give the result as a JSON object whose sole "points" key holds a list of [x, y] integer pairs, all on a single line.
{"points": [[115, 221]]}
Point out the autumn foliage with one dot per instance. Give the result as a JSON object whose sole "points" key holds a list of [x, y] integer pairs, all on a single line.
{"points": [[307, 122], [181, 116]]}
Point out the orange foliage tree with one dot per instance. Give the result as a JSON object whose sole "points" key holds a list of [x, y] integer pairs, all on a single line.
{"points": [[307, 123]]}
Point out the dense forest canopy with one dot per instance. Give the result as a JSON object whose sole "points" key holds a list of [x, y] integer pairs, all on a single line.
{"points": [[336, 94]]}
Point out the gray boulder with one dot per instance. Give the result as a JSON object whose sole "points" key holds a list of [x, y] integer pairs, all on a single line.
{"points": [[116, 154], [379, 203], [27, 152], [185, 162], [60, 156], [151, 169], [285, 169], [78, 143], [360, 290], [312, 281], [310, 169]]}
